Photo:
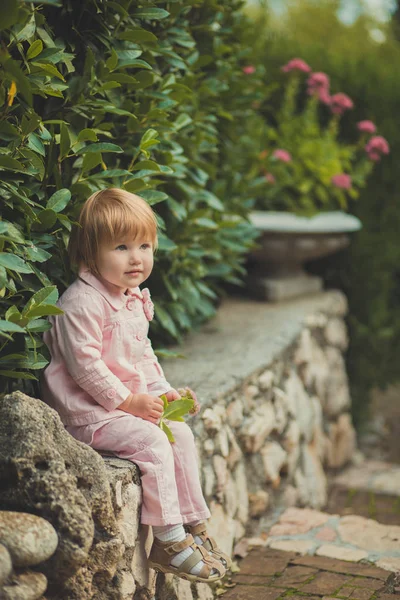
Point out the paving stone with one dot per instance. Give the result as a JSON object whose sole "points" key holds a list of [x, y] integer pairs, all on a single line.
{"points": [[300, 546], [356, 593], [325, 583], [294, 576], [389, 563], [366, 582], [249, 592], [256, 580], [265, 562], [350, 554], [340, 566]]}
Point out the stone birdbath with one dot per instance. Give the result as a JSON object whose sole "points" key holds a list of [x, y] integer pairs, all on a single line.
{"points": [[286, 242]]}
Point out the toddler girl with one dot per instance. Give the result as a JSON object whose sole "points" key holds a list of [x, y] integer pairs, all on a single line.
{"points": [[105, 380]]}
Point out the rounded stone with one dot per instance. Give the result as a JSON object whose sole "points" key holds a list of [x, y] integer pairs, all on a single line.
{"points": [[26, 586], [29, 539], [5, 564]]}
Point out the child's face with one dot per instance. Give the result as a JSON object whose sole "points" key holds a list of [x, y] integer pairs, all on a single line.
{"points": [[126, 263]]}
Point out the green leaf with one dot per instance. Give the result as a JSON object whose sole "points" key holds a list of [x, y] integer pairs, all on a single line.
{"points": [[47, 295], [18, 374], [149, 165], [34, 49], [10, 327], [112, 61], [47, 219], [14, 263], [65, 141], [137, 35], [35, 254], [122, 78], [8, 13], [207, 223], [48, 68], [100, 147], [165, 400], [87, 135], [59, 200], [11, 232], [164, 427], [165, 244], [38, 326], [36, 144], [150, 13], [182, 121], [44, 310], [153, 196], [6, 162], [165, 320], [90, 161], [150, 134], [178, 408]]}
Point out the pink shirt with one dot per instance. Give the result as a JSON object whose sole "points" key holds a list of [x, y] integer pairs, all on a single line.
{"points": [[100, 352]]}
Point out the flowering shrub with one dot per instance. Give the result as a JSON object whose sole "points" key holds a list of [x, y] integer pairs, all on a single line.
{"points": [[307, 167]]}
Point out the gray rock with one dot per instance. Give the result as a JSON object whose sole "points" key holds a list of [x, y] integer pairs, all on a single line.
{"points": [[46, 472], [5, 564], [29, 539], [26, 586]]}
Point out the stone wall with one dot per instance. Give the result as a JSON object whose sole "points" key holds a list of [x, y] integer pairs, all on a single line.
{"points": [[275, 417]]}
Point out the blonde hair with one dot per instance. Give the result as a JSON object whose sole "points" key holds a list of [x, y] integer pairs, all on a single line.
{"points": [[107, 216]]}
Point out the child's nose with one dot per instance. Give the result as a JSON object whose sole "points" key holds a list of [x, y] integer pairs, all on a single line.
{"points": [[134, 257]]}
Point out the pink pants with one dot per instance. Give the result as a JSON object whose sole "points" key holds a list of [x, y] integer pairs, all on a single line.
{"points": [[170, 474]]}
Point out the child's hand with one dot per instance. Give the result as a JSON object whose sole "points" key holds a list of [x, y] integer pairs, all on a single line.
{"points": [[145, 406], [172, 395]]}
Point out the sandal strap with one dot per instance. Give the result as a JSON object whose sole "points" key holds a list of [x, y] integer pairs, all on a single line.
{"points": [[199, 529], [197, 556], [177, 547]]}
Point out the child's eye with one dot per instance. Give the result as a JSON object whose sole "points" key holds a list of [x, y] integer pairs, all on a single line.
{"points": [[145, 246], [121, 247]]}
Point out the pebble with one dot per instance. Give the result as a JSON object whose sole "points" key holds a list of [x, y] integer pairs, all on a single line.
{"points": [[29, 539], [27, 586]]}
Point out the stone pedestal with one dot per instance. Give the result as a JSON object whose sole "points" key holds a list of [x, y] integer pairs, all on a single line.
{"points": [[286, 242]]}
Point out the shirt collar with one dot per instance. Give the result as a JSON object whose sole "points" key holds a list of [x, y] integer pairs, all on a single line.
{"points": [[115, 297]]}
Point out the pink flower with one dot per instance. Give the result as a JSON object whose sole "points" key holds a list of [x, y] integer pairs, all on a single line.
{"points": [[318, 80], [366, 126], [341, 102], [377, 145], [270, 178], [148, 305], [282, 155], [249, 69], [342, 181], [318, 85], [190, 394], [375, 156], [324, 97], [296, 64]]}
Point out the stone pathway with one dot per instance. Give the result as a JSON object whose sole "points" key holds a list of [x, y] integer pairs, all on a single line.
{"points": [[342, 553]]}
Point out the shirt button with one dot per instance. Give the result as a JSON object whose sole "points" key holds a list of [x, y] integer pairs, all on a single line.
{"points": [[111, 393]]}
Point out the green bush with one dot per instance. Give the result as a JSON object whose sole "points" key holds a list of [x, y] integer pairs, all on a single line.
{"points": [[147, 96], [369, 271]]}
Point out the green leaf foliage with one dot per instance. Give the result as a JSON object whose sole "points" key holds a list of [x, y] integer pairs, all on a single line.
{"points": [[146, 96]]}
